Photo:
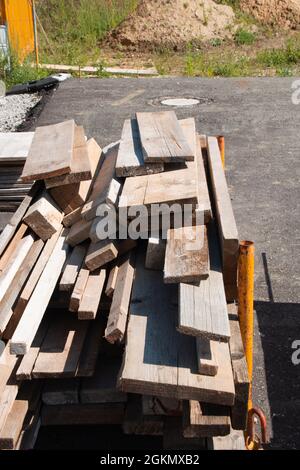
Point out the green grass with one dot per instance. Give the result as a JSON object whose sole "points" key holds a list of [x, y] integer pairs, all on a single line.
{"points": [[244, 37], [75, 27], [19, 73]]}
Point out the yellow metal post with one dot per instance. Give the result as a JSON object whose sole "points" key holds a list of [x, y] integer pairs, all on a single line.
{"points": [[245, 304], [221, 142]]}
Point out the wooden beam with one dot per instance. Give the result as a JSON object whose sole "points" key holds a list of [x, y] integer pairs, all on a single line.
{"points": [[79, 232], [36, 307], [101, 253], [162, 138], [73, 217], [206, 356], [186, 257], [83, 414], [12, 246], [202, 308], [111, 282], [90, 300], [227, 228], [136, 423], [61, 392], [51, 152], [117, 319], [72, 268], [44, 217], [78, 290]]}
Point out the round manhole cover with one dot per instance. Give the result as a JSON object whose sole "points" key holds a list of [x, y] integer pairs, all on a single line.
{"points": [[180, 102]]}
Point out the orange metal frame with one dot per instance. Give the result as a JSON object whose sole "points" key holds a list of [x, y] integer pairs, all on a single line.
{"points": [[18, 16]]}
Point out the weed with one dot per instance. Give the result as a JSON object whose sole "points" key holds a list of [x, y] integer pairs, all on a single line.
{"points": [[242, 36], [288, 55], [13, 72]]}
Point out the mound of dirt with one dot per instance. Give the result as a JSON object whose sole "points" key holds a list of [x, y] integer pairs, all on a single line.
{"points": [[283, 13], [159, 24]]}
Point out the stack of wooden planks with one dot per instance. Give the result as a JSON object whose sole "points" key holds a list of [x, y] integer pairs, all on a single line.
{"points": [[14, 147], [139, 330]]}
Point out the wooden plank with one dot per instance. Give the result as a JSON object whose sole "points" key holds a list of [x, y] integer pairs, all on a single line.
{"points": [[51, 152], [92, 346], [72, 268], [101, 253], [227, 228], [73, 217], [155, 255], [136, 423], [234, 441], [111, 282], [60, 351], [83, 414], [205, 419], [61, 392], [117, 319], [78, 290], [206, 356], [203, 309], [11, 294], [186, 257], [36, 273], [158, 359], [90, 300], [8, 274], [10, 229], [44, 217], [36, 307], [133, 192], [80, 164], [105, 188], [239, 411], [79, 232], [162, 138], [104, 226], [14, 146], [24, 371], [8, 364], [101, 388], [130, 161], [161, 406], [10, 432], [12, 246]]}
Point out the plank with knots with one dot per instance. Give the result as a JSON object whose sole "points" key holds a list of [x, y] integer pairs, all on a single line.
{"points": [[162, 138], [51, 152]]}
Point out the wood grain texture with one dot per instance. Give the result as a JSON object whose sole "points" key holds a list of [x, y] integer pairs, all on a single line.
{"points": [[111, 282], [162, 138], [158, 359], [44, 217], [36, 307], [90, 300], [117, 319], [227, 228], [130, 160], [205, 419], [73, 217], [14, 146], [101, 253], [72, 268], [83, 414], [78, 290], [51, 152], [186, 258], [60, 351], [79, 232], [202, 308], [206, 356], [12, 246]]}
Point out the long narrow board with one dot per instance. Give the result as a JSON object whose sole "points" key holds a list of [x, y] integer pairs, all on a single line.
{"points": [[130, 161], [14, 146], [90, 300], [203, 308], [36, 307], [162, 138], [60, 351], [51, 152], [228, 232], [72, 268], [186, 257], [158, 359]]}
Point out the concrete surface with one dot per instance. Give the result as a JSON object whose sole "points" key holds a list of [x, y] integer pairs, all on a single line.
{"points": [[261, 127]]}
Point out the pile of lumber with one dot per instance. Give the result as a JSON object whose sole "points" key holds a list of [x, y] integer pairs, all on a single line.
{"points": [[14, 147], [137, 332]]}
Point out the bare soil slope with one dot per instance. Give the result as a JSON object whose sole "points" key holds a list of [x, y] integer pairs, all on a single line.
{"points": [[283, 13], [172, 24]]}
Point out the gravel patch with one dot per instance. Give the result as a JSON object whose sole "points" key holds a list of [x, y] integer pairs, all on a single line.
{"points": [[14, 110]]}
